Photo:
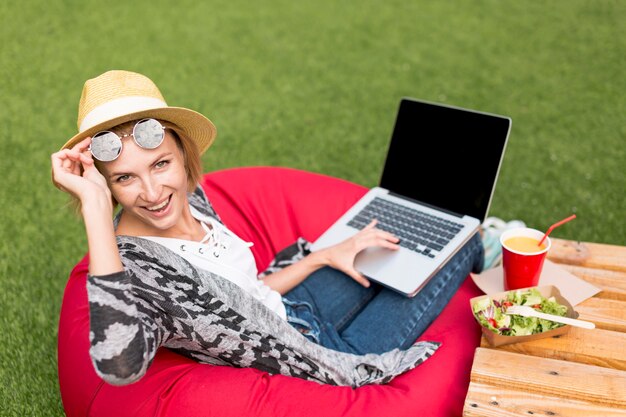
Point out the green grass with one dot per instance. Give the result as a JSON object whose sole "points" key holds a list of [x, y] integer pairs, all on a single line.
{"points": [[310, 85]]}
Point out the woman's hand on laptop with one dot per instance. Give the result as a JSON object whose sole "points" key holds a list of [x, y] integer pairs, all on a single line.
{"points": [[342, 255]]}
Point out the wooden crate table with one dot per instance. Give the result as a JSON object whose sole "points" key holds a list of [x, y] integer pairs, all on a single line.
{"points": [[582, 373]]}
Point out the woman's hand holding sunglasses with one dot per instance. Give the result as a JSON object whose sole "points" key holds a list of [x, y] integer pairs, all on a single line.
{"points": [[74, 172]]}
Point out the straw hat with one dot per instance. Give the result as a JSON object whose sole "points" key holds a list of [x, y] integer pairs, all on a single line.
{"points": [[117, 97]]}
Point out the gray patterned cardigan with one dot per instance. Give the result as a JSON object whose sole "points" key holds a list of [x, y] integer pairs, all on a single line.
{"points": [[160, 299]]}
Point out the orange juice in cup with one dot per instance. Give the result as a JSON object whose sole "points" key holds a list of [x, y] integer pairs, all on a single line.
{"points": [[523, 257]]}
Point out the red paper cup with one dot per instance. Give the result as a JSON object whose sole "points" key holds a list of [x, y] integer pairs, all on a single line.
{"points": [[522, 268]]}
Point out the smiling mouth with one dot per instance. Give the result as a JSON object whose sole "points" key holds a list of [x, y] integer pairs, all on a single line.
{"points": [[160, 207]]}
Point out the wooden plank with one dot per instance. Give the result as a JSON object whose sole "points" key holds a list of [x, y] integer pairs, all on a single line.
{"points": [[612, 283], [485, 400], [606, 314], [591, 255], [592, 384], [595, 347]]}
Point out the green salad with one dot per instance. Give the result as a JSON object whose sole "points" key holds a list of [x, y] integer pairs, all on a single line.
{"points": [[490, 313]]}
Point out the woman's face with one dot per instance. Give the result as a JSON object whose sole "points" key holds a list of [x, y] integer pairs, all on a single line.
{"points": [[150, 184]]}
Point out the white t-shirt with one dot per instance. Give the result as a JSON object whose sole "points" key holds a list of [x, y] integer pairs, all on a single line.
{"points": [[224, 253]]}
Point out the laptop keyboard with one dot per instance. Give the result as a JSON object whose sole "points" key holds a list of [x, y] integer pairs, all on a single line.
{"points": [[418, 231]]}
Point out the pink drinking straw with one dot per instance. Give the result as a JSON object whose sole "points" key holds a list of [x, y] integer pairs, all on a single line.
{"points": [[555, 225]]}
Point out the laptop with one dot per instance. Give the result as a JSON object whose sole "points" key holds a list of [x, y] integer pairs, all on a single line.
{"points": [[435, 190]]}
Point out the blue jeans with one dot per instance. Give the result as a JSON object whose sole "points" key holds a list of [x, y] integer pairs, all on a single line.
{"points": [[336, 312]]}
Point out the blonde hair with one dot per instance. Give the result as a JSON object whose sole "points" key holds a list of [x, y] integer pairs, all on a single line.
{"points": [[191, 156]]}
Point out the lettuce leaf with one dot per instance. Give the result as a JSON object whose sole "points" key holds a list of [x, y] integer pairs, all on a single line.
{"points": [[489, 312]]}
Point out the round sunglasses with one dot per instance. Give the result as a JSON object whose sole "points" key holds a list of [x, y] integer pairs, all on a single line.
{"points": [[106, 146]]}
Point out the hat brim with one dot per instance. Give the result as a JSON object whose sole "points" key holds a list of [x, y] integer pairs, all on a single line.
{"points": [[200, 129]]}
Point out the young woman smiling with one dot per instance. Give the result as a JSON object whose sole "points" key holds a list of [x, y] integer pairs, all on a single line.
{"points": [[164, 271]]}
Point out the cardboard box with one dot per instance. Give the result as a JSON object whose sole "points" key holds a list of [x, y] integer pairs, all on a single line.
{"points": [[546, 291]]}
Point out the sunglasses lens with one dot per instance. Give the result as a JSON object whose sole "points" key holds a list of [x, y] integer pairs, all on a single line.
{"points": [[148, 133], [105, 146]]}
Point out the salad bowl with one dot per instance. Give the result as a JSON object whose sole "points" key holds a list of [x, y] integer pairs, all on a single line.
{"points": [[500, 328]]}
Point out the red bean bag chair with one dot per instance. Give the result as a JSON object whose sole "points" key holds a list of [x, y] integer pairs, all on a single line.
{"points": [[270, 207]]}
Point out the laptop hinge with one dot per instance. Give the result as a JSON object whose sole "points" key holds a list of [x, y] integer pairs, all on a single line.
{"points": [[426, 204]]}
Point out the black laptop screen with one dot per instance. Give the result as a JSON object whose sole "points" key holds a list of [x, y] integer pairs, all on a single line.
{"points": [[446, 157]]}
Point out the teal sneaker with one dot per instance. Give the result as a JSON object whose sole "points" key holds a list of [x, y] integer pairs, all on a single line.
{"points": [[491, 230]]}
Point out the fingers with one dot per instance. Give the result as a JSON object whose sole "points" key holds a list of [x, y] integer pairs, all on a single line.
{"points": [[70, 162], [83, 145], [67, 156], [61, 162], [358, 277], [384, 243], [70, 159], [371, 225], [371, 236], [83, 148]]}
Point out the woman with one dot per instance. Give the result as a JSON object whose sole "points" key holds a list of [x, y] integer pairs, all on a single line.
{"points": [[167, 272]]}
